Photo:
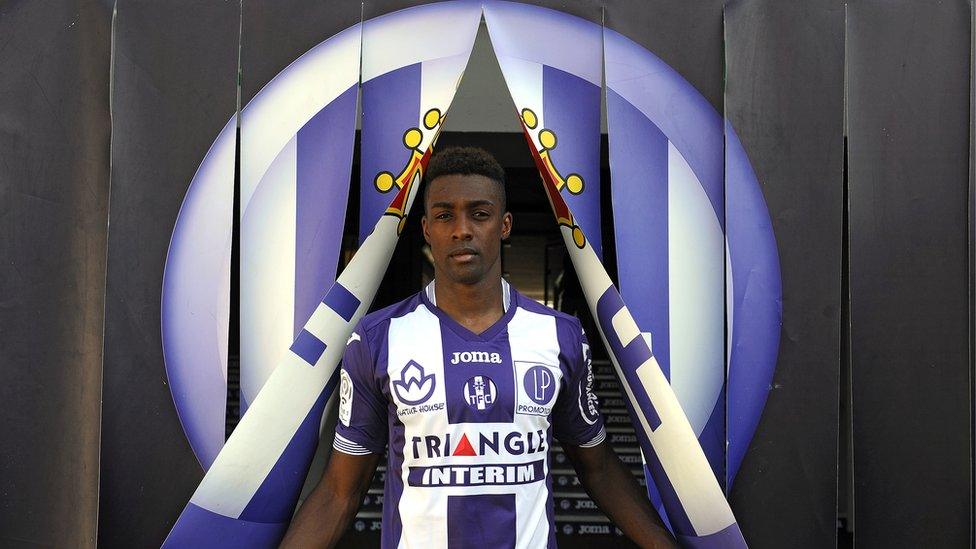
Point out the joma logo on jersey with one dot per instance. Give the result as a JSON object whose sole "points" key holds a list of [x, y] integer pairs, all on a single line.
{"points": [[515, 443], [476, 356]]}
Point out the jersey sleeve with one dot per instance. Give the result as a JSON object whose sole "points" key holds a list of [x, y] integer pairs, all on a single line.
{"points": [[577, 420], [362, 426]]}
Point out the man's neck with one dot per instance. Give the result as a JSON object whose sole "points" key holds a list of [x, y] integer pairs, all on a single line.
{"points": [[475, 306]]}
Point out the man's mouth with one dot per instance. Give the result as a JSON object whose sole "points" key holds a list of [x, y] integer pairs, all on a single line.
{"points": [[463, 255]]}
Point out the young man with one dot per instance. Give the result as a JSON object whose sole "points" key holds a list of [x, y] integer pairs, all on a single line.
{"points": [[466, 381]]}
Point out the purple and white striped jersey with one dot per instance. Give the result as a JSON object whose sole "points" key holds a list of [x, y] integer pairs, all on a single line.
{"points": [[469, 418]]}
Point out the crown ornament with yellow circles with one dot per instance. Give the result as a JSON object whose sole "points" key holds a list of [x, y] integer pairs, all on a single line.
{"points": [[552, 181], [547, 142], [412, 171]]}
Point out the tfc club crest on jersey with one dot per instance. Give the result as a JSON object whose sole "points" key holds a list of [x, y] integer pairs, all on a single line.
{"points": [[480, 392]]}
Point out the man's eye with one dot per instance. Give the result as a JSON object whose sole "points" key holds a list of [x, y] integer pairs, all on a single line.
{"points": [[481, 214], [443, 215]]}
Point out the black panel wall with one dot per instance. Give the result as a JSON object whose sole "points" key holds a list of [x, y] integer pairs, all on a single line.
{"points": [[972, 267], [174, 89], [275, 33], [685, 35], [93, 451], [908, 126], [54, 147], [784, 96]]}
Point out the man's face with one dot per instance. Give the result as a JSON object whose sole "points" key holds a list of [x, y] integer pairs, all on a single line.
{"points": [[464, 225]]}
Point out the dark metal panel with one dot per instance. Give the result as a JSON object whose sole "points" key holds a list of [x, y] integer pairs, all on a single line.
{"points": [[972, 267], [175, 69], [54, 183], [908, 111], [784, 97], [685, 35], [275, 33]]}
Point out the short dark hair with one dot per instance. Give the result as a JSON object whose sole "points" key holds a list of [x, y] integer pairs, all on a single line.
{"points": [[465, 161]]}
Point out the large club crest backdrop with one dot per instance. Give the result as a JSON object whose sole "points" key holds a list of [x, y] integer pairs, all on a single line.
{"points": [[690, 223]]}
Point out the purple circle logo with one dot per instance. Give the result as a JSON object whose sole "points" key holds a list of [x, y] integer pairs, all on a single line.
{"points": [[540, 384]]}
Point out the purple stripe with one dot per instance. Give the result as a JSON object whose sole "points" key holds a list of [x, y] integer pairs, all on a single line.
{"points": [[198, 527], [275, 499], [393, 488], [683, 114], [309, 347], [729, 537], [324, 161], [639, 167], [630, 357], [478, 392], [757, 302], [571, 109], [391, 106], [655, 498], [712, 439], [342, 301], [481, 521]]}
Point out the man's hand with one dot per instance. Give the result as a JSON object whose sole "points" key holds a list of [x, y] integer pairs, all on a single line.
{"points": [[326, 513], [613, 488]]}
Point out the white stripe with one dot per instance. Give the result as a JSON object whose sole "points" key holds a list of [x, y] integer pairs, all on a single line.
{"points": [[600, 437], [696, 286], [349, 446], [290, 100], [547, 37], [419, 34], [268, 273], [350, 452]]}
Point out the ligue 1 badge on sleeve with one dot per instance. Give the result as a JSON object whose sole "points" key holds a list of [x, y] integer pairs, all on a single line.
{"points": [[345, 397]]}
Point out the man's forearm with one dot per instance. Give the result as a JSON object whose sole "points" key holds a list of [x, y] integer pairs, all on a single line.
{"points": [[616, 492], [322, 519]]}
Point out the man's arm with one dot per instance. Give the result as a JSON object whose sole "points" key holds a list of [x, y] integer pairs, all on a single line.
{"points": [[325, 515], [613, 488]]}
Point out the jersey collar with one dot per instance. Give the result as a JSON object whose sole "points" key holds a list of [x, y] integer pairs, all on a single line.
{"points": [[509, 303]]}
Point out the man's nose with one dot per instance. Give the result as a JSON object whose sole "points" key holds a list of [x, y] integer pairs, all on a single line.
{"points": [[462, 229]]}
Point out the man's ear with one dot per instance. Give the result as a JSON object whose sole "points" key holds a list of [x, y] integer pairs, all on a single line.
{"points": [[423, 225], [506, 225]]}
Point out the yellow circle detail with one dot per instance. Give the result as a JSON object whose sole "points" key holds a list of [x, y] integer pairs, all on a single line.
{"points": [[529, 118], [401, 225], [547, 139], [384, 181], [432, 118], [578, 238], [412, 138], [574, 183]]}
